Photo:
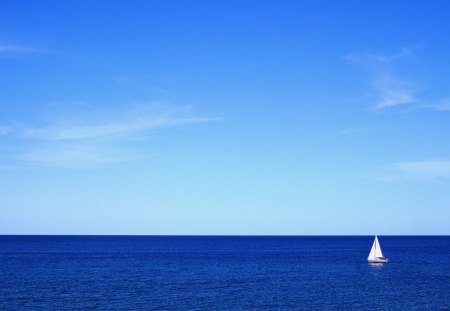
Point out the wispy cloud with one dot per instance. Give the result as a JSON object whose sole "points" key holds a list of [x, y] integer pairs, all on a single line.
{"points": [[109, 130], [392, 90], [371, 59], [5, 129], [430, 170], [76, 155], [348, 131], [441, 105], [15, 49], [145, 83], [96, 138]]}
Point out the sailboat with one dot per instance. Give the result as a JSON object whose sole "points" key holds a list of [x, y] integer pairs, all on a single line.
{"points": [[376, 255]]}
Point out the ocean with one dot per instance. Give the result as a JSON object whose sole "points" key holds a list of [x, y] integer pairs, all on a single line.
{"points": [[223, 273]]}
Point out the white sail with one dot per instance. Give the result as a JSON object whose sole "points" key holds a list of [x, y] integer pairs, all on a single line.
{"points": [[372, 252], [375, 251], [378, 252]]}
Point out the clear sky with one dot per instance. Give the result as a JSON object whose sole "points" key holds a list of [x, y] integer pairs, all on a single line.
{"points": [[224, 117]]}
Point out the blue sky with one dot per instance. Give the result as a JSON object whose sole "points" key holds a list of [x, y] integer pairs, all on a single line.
{"points": [[224, 117]]}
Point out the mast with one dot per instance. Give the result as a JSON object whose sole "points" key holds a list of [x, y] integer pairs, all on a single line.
{"points": [[375, 243]]}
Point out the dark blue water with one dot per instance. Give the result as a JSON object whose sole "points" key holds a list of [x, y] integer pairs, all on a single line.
{"points": [[251, 273]]}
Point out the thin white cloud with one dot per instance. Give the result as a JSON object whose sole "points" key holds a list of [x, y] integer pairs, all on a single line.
{"points": [[370, 59], [442, 105], [142, 82], [393, 92], [389, 89], [348, 131], [96, 138], [15, 49], [76, 155], [430, 170], [109, 130], [5, 130]]}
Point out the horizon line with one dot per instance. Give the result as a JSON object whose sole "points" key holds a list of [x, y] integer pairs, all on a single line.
{"points": [[229, 235]]}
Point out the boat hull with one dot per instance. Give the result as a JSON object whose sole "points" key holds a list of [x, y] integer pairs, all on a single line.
{"points": [[378, 260]]}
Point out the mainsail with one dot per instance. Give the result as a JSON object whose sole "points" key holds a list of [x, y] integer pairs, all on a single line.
{"points": [[375, 252]]}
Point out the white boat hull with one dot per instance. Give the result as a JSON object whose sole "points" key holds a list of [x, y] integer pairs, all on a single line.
{"points": [[377, 260]]}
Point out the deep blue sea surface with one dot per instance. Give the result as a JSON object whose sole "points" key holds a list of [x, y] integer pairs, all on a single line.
{"points": [[222, 273]]}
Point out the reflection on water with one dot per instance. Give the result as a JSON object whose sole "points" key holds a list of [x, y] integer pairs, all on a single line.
{"points": [[376, 265]]}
